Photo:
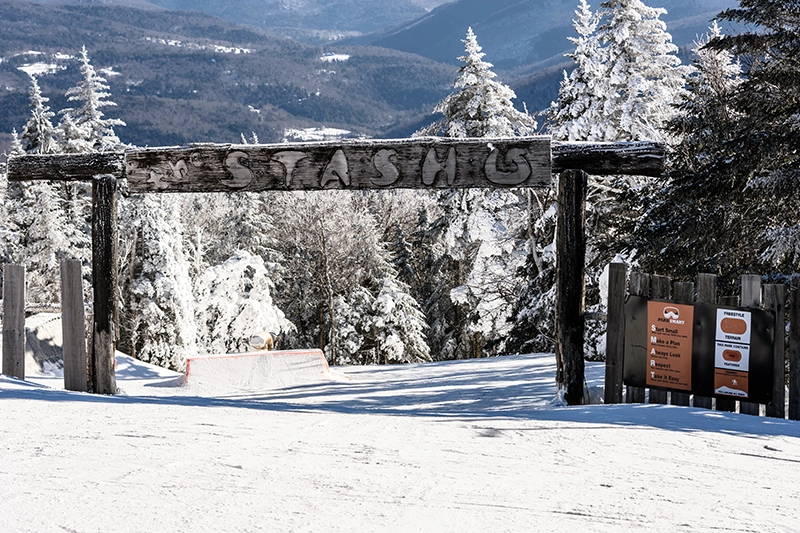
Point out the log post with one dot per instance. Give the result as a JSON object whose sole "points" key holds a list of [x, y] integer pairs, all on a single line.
{"points": [[706, 293], [659, 288], [104, 283], [775, 301], [640, 286], [14, 321], [751, 297], [73, 324], [570, 284], [684, 294], [615, 333], [794, 351]]}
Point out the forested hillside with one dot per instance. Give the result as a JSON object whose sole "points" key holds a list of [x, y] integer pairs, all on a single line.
{"points": [[182, 77]]}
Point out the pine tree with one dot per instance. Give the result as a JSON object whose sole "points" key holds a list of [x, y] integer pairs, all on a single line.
{"points": [[580, 103], [765, 151], [696, 222], [481, 106], [38, 136], [86, 122], [482, 247], [644, 76], [234, 301], [157, 295]]}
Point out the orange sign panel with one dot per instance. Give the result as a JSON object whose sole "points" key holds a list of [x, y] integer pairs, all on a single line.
{"points": [[669, 345], [731, 383]]}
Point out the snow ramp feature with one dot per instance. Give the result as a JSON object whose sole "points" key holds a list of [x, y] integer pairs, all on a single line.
{"points": [[256, 371]]}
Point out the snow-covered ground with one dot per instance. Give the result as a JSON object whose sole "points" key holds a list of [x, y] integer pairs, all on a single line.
{"points": [[461, 446]]}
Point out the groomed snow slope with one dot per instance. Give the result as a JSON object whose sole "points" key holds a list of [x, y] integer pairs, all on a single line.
{"points": [[470, 446]]}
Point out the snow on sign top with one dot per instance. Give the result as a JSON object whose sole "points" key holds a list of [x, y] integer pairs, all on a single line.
{"points": [[418, 163]]}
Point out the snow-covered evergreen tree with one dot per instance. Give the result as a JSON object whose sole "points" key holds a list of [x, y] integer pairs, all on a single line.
{"points": [[481, 106], [580, 104], [336, 270], [38, 135], [87, 122], [483, 242], [157, 322], [644, 76], [766, 147], [696, 221], [234, 301]]}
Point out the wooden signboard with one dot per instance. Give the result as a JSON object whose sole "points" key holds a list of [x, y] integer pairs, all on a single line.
{"points": [[418, 163], [705, 349]]}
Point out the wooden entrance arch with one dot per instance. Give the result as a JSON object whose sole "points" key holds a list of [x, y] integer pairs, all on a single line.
{"points": [[418, 163]]}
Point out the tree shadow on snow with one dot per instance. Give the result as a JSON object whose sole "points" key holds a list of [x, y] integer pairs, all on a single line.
{"points": [[492, 389]]}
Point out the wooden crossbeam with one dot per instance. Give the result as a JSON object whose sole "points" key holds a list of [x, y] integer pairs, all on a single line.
{"points": [[407, 163]]}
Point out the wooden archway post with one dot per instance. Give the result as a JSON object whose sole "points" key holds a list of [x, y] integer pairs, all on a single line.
{"points": [[570, 283], [104, 284]]}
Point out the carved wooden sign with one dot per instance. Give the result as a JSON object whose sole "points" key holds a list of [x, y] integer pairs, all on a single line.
{"points": [[409, 163]]}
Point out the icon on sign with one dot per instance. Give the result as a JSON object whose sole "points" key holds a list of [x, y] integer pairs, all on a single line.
{"points": [[733, 326], [671, 312], [732, 355]]}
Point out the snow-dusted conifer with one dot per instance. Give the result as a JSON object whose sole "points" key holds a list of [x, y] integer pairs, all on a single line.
{"points": [[580, 96], [644, 74], [38, 136], [157, 301], [481, 106], [702, 219], [89, 124], [399, 324], [234, 301]]}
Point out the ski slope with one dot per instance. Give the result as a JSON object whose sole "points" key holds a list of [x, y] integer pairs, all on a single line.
{"points": [[466, 446]]}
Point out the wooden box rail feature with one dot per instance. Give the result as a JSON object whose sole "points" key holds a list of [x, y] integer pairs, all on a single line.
{"points": [[424, 163]]}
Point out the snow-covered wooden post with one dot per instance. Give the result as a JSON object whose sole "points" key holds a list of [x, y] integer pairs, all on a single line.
{"points": [[570, 283], [14, 321], [106, 167], [73, 324], [104, 283]]}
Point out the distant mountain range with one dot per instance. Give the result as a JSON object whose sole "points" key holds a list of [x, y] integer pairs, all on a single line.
{"points": [[310, 21], [180, 73], [523, 33], [181, 77]]}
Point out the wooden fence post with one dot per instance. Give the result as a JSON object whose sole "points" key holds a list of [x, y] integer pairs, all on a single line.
{"points": [[570, 284], [640, 286], [794, 350], [659, 288], [684, 294], [104, 283], [14, 321], [706, 293], [751, 297], [73, 324], [615, 333], [775, 301]]}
